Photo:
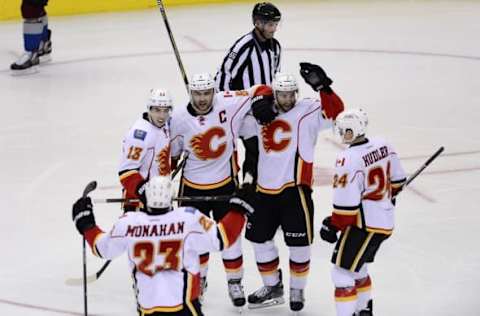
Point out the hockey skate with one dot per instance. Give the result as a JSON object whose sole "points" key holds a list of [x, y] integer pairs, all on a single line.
{"points": [[203, 289], [235, 291], [45, 49], [297, 299], [367, 311], [267, 296], [26, 64]]}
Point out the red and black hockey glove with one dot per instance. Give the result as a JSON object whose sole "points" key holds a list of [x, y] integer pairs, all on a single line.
{"points": [[82, 214], [328, 232]]}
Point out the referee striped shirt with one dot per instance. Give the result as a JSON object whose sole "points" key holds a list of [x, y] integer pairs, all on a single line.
{"points": [[249, 62]]}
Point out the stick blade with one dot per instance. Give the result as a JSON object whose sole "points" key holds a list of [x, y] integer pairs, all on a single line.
{"points": [[79, 281], [89, 188]]}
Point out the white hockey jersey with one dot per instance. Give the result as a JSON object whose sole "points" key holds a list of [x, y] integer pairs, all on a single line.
{"points": [[209, 140], [365, 176], [287, 145], [163, 252], [145, 154]]}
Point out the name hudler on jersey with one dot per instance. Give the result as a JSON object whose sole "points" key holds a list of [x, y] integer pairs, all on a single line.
{"points": [[368, 175]]}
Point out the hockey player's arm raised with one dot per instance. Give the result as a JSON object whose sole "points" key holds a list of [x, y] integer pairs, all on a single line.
{"points": [[316, 77], [107, 246]]}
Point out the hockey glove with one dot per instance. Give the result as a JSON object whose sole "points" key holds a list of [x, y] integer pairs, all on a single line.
{"points": [[328, 232], [263, 109], [315, 76], [140, 191], [241, 205], [82, 214]]}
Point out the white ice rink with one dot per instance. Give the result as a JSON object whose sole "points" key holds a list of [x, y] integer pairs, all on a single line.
{"points": [[414, 66]]}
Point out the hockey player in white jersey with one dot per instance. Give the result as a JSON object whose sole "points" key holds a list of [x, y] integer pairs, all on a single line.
{"points": [[163, 246], [368, 175], [284, 184], [146, 148], [206, 130]]}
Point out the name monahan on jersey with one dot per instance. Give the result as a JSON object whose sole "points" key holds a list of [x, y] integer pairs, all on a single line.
{"points": [[163, 252], [366, 176], [209, 139]]}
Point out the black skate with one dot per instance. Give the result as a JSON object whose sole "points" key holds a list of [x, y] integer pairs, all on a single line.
{"points": [[297, 299], [45, 49], [203, 289], [267, 296], [27, 63], [367, 311], [235, 291]]}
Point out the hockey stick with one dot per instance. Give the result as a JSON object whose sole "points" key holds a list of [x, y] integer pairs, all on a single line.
{"points": [[96, 276], [172, 41], [419, 170], [219, 198], [425, 165], [89, 188]]}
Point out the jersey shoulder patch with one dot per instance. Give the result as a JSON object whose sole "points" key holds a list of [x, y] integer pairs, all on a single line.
{"points": [[190, 209], [139, 134]]}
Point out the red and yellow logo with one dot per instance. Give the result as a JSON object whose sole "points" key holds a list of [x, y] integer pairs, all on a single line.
{"points": [[202, 144], [163, 161], [269, 132]]}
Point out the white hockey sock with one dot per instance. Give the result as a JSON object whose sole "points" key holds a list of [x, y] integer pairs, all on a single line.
{"points": [[299, 266], [233, 260], [266, 255]]}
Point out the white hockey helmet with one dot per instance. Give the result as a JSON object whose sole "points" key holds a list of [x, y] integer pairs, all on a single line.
{"points": [[285, 82], [159, 192], [354, 120], [202, 81], [285, 90], [160, 98]]}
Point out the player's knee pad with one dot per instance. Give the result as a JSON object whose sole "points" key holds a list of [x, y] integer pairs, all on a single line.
{"points": [[266, 251], [30, 11], [299, 254], [342, 278]]}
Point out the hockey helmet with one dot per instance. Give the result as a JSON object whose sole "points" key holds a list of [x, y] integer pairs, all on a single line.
{"points": [[160, 98], [159, 192], [202, 81], [266, 11], [353, 120], [283, 83]]}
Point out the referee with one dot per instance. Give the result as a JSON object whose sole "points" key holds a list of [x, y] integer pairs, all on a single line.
{"points": [[253, 59]]}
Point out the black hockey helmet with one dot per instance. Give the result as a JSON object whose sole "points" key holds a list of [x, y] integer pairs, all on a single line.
{"points": [[266, 11]]}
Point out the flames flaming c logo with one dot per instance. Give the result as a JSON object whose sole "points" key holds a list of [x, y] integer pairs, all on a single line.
{"points": [[268, 136], [202, 144], [163, 161]]}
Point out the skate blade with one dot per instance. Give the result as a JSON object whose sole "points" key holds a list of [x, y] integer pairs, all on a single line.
{"points": [[24, 72], [45, 59], [268, 303]]}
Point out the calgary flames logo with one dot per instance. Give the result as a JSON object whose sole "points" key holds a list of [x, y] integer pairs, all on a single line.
{"points": [[268, 136], [163, 161], [202, 144]]}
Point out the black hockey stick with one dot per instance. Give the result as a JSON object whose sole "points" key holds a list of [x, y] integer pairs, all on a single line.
{"points": [[420, 170], [172, 41], [89, 188], [179, 198], [425, 165], [96, 276]]}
